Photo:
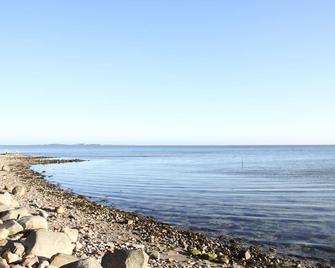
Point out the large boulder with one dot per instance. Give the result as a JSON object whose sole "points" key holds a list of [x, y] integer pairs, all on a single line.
{"points": [[64, 260], [125, 259], [33, 222], [45, 243], [89, 262], [14, 214], [12, 226]]}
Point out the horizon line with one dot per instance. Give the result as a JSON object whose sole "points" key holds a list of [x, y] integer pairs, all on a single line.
{"points": [[158, 145]]}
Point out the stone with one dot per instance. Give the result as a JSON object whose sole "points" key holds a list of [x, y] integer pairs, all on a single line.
{"points": [[19, 190], [71, 233], [12, 227], [10, 257], [29, 260], [44, 264], [63, 260], [155, 255], [3, 263], [247, 255], [43, 213], [45, 243], [89, 262], [78, 246], [14, 203], [14, 214], [8, 188], [33, 222], [6, 198], [59, 210], [3, 234], [17, 248], [4, 208], [126, 259]]}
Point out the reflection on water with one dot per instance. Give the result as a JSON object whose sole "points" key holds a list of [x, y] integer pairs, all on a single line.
{"points": [[279, 195]]}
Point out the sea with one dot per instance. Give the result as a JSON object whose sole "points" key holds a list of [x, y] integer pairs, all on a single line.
{"points": [[273, 196]]}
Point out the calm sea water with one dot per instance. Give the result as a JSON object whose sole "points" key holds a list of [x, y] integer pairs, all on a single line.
{"points": [[272, 195]]}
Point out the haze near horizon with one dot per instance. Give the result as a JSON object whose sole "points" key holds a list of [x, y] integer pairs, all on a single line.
{"points": [[167, 72]]}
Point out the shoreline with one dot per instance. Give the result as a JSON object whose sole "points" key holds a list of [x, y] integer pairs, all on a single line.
{"points": [[104, 229]]}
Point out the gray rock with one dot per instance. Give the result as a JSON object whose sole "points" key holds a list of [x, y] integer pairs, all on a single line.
{"points": [[14, 214], [33, 222], [45, 243], [125, 259], [12, 226], [64, 260], [89, 262]]}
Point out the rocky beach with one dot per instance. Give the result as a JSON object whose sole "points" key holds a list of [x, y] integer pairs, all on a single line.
{"points": [[45, 226]]}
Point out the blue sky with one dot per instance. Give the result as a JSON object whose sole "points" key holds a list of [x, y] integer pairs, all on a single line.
{"points": [[167, 72]]}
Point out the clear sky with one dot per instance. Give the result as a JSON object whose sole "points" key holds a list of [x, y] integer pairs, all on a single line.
{"points": [[167, 72]]}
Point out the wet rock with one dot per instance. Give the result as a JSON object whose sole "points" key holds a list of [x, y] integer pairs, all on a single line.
{"points": [[33, 222], [38, 243], [14, 214], [90, 263], [63, 260], [3, 234], [12, 227], [71, 233], [125, 258], [19, 190]]}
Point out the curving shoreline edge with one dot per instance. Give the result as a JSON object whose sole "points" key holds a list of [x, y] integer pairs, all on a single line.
{"points": [[103, 229]]}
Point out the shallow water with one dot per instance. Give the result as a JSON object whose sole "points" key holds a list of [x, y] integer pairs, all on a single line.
{"points": [[273, 195]]}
